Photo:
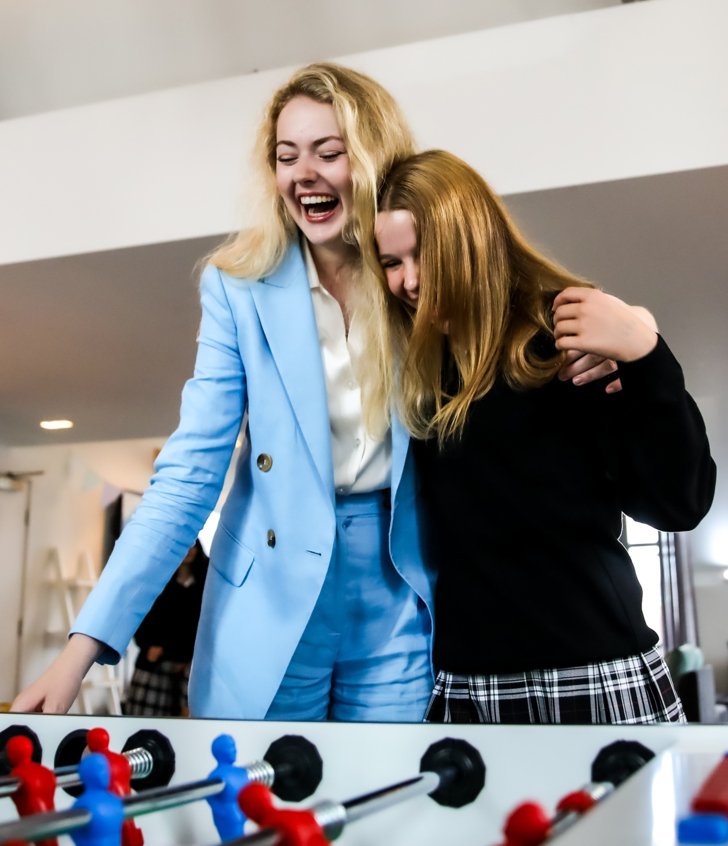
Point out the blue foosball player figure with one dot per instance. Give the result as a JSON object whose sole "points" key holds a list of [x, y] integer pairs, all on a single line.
{"points": [[226, 813], [106, 809]]}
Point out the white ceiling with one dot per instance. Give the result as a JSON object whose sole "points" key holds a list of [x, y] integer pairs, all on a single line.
{"points": [[107, 339], [60, 53]]}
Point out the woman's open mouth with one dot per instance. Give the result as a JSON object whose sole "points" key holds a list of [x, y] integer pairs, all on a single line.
{"points": [[318, 208]]}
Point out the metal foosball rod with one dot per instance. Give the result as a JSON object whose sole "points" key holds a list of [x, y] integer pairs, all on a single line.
{"points": [[529, 824], [149, 753], [291, 766], [452, 773]]}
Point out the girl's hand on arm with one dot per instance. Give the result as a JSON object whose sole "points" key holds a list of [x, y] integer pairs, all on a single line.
{"points": [[55, 691], [582, 368], [154, 653], [589, 321]]}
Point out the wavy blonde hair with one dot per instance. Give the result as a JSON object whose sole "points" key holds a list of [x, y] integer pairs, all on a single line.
{"points": [[484, 296], [375, 134]]}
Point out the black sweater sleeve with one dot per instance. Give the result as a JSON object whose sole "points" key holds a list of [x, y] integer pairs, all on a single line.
{"points": [[151, 631], [660, 456]]}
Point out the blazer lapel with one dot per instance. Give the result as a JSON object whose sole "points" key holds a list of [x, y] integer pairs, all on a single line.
{"points": [[285, 309], [400, 448]]}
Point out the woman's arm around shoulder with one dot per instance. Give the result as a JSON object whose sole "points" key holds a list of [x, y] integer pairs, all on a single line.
{"points": [[658, 447], [589, 321], [581, 368]]}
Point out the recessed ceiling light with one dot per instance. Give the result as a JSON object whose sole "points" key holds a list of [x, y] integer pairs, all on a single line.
{"points": [[56, 424]]}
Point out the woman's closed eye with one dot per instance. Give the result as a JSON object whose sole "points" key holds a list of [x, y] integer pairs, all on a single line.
{"points": [[331, 156], [289, 159], [389, 263]]}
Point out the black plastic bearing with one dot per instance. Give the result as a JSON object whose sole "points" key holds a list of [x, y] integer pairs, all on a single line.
{"points": [[162, 754], [14, 731], [618, 761], [297, 765], [69, 753], [461, 769]]}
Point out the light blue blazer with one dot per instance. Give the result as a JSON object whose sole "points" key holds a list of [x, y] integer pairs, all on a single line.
{"points": [[258, 363]]}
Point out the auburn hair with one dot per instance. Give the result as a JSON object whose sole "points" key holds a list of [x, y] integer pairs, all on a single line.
{"points": [[484, 296]]}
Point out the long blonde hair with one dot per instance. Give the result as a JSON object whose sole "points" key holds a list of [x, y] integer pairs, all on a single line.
{"points": [[484, 296], [375, 134]]}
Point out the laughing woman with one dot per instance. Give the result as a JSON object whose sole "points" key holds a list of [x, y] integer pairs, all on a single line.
{"points": [[305, 615], [524, 477]]}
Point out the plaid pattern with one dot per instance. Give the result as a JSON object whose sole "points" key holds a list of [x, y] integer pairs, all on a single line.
{"points": [[161, 692], [628, 691]]}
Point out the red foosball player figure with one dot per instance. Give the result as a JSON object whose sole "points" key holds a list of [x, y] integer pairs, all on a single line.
{"points": [[97, 740], [37, 784], [530, 825], [294, 827]]}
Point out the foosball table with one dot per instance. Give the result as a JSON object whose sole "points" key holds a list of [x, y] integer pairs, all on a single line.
{"points": [[103, 781]]}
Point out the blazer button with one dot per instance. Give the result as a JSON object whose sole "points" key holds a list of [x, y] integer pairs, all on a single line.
{"points": [[264, 462], [271, 538]]}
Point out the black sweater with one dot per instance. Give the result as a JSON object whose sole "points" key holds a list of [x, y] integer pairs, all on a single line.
{"points": [[172, 621], [524, 515]]}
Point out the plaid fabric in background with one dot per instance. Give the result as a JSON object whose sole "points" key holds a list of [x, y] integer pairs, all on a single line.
{"points": [[631, 690], [161, 692]]}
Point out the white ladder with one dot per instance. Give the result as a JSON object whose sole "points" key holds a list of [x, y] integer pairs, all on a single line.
{"points": [[70, 592]]}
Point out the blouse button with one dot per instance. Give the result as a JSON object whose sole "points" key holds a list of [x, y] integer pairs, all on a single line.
{"points": [[271, 538], [264, 462]]}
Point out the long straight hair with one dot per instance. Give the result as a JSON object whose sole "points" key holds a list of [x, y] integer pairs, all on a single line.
{"points": [[375, 134], [484, 296]]}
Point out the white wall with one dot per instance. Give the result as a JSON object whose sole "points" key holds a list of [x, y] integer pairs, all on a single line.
{"points": [[13, 503], [66, 513], [711, 598], [617, 92]]}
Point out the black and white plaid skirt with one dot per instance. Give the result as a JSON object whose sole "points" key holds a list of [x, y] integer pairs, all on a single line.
{"points": [[632, 690], [161, 692]]}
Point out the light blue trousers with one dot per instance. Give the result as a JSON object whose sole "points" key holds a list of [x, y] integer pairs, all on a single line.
{"points": [[364, 655]]}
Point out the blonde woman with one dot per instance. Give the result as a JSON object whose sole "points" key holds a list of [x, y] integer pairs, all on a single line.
{"points": [[525, 477], [305, 614]]}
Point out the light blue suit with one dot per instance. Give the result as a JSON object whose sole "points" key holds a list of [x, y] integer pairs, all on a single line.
{"points": [[258, 351]]}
